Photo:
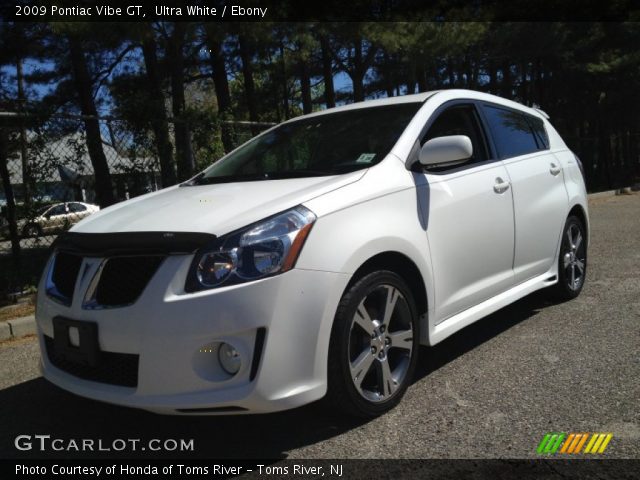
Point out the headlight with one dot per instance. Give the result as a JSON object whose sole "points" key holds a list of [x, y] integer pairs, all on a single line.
{"points": [[260, 250]]}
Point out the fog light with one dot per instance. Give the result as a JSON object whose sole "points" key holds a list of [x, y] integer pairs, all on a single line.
{"points": [[229, 358]]}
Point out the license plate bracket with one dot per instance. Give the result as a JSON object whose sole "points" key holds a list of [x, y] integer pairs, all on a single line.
{"points": [[87, 352]]}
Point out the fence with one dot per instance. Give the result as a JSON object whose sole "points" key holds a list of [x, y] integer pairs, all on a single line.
{"points": [[49, 183]]}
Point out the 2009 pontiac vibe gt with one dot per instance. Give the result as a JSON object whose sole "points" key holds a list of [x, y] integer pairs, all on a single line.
{"points": [[313, 260]]}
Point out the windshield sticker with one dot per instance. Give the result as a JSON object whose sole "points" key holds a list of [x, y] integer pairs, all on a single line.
{"points": [[366, 158]]}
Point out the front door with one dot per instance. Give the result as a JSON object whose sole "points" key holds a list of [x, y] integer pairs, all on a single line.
{"points": [[469, 217]]}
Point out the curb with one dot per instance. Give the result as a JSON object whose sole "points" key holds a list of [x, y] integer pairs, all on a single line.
{"points": [[18, 327], [5, 331]]}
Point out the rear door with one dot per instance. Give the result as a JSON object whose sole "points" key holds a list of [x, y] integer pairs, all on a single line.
{"points": [[77, 211], [469, 215], [539, 194], [55, 218]]}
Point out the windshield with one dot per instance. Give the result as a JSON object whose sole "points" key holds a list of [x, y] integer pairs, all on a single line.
{"points": [[43, 210], [329, 144]]}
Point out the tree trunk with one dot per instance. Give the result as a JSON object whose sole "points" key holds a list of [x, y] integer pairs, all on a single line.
{"points": [[221, 85], [84, 89], [8, 192], [357, 76], [452, 75], [285, 86], [506, 81], [219, 68], [411, 79], [247, 75], [358, 86], [26, 174], [524, 82], [181, 127], [493, 78], [327, 73], [158, 114], [422, 77], [305, 85]]}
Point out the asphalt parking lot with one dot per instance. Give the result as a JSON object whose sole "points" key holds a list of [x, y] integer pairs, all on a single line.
{"points": [[491, 391]]}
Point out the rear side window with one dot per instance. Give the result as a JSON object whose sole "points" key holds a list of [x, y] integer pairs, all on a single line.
{"points": [[541, 134], [512, 132], [76, 207]]}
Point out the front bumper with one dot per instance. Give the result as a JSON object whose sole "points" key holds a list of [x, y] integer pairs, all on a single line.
{"points": [[175, 335]]}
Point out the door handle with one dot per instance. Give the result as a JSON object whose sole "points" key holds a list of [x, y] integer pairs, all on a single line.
{"points": [[501, 186], [554, 169]]}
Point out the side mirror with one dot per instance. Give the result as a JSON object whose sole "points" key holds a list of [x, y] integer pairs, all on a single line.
{"points": [[445, 151]]}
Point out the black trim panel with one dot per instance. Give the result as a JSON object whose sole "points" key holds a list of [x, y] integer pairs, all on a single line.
{"points": [[132, 243], [211, 410], [257, 352]]}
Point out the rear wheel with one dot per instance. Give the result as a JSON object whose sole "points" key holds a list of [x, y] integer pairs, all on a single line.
{"points": [[374, 345], [572, 262]]}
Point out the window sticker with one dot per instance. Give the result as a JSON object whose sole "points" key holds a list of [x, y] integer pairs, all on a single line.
{"points": [[366, 158]]}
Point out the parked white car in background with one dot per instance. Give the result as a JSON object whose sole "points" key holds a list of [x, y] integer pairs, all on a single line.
{"points": [[313, 260]]}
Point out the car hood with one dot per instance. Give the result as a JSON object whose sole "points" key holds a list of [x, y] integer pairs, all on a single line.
{"points": [[217, 209]]}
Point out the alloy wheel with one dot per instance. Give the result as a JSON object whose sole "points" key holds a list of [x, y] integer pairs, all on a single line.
{"points": [[380, 343], [574, 257]]}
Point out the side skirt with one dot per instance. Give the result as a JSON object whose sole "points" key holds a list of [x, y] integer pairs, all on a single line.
{"points": [[460, 320]]}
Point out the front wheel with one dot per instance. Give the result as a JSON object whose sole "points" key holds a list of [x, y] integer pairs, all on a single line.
{"points": [[374, 345], [572, 262], [32, 231]]}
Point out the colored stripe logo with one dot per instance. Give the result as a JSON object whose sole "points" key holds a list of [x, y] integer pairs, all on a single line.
{"points": [[573, 443]]}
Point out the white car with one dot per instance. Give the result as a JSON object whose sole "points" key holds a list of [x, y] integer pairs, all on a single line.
{"points": [[313, 260], [56, 218]]}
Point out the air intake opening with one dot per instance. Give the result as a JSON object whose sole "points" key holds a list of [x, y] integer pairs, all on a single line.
{"points": [[63, 278], [124, 278]]}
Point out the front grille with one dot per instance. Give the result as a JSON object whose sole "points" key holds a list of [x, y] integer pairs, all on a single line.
{"points": [[112, 368], [124, 278], [63, 278]]}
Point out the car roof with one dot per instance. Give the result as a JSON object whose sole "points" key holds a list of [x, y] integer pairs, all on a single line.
{"points": [[378, 102], [423, 97]]}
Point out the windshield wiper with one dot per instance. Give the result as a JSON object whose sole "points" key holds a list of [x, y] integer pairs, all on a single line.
{"points": [[201, 179]]}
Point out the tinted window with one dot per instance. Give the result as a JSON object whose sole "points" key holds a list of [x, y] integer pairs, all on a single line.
{"points": [[76, 207], [511, 131], [57, 210], [460, 120], [541, 134], [330, 144]]}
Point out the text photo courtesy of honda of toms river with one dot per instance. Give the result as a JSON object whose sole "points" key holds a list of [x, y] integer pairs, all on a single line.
{"points": [[314, 260]]}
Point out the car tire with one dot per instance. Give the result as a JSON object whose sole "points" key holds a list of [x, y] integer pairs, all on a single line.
{"points": [[32, 231], [372, 353], [572, 261]]}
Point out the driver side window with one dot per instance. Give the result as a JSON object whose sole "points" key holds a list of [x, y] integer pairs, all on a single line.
{"points": [[460, 120], [57, 210]]}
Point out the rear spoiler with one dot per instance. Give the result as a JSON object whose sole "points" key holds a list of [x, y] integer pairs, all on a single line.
{"points": [[542, 112]]}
